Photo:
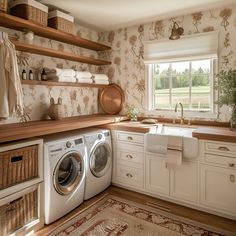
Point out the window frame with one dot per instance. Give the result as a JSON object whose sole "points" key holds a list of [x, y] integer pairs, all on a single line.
{"points": [[213, 113]]}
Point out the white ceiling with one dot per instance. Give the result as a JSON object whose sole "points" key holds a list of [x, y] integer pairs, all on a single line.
{"points": [[112, 14]]}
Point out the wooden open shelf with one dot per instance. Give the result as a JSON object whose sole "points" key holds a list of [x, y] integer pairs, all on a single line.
{"points": [[17, 23], [67, 84], [31, 48]]}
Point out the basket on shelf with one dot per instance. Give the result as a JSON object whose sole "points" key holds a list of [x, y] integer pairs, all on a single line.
{"points": [[30, 10], [18, 165], [18, 211], [56, 110], [61, 21], [3, 5]]}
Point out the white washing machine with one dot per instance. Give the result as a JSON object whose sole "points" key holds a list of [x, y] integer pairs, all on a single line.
{"points": [[99, 161], [64, 175]]}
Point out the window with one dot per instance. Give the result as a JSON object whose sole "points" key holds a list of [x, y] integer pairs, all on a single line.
{"points": [[188, 82], [182, 71]]}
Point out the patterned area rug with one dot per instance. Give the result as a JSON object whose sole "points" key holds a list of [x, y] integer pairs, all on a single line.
{"points": [[112, 216]]}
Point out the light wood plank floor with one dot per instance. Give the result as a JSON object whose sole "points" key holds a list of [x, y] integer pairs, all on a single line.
{"points": [[202, 217]]}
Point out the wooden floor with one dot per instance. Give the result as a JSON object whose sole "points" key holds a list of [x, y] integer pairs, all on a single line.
{"points": [[199, 216]]}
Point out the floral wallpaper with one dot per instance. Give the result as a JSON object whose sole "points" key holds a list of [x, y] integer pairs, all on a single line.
{"points": [[76, 100], [128, 69]]}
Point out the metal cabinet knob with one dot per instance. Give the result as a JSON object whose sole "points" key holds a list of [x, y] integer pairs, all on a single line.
{"points": [[129, 175], [130, 138], [231, 164], [232, 178], [129, 156]]}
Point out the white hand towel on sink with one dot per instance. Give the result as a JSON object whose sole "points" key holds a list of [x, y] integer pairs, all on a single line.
{"points": [[156, 143], [174, 152]]}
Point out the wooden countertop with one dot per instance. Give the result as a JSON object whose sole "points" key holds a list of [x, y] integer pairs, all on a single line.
{"points": [[215, 133], [17, 131], [13, 132], [131, 127], [201, 132]]}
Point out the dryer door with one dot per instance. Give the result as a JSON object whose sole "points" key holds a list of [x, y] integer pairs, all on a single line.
{"points": [[68, 173], [100, 159]]}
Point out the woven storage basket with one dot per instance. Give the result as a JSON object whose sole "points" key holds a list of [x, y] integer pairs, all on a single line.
{"points": [[18, 165], [61, 21], [3, 5], [30, 10], [56, 110], [17, 213]]}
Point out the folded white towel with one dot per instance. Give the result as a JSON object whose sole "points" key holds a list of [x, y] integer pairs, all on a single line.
{"points": [[174, 151], [174, 158], [156, 143], [88, 81], [101, 82], [68, 72], [83, 75], [61, 78], [100, 77]]}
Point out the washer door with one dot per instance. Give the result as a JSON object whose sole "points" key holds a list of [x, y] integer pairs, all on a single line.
{"points": [[100, 159], [68, 173]]}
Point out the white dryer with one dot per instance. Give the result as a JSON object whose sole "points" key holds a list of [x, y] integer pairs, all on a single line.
{"points": [[99, 162], [64, 175]]}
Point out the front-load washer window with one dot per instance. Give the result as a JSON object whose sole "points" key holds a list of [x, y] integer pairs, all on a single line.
{"points": [[68, 173], [100, 159]]}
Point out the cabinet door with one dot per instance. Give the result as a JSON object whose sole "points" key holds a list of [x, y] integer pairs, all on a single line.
{"points": [[157, 175], [218, 188], [183, 182]]}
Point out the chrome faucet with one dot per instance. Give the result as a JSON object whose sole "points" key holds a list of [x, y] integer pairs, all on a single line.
{"points": [[182, 111]]}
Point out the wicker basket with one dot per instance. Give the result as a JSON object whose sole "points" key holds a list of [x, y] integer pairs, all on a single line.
{"points": [[18, 212], [18, 165], [61, 21], [3, 5], [30, 10], [56, 110]]}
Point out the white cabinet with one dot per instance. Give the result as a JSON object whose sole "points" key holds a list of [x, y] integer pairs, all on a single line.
{"points": [[218, 188], [128, 162], [180, 183], [218, 176], [183, 182], [207, 183], [157, 175]]}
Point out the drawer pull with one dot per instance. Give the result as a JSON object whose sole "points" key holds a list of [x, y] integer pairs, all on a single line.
{"points": [[129, 156], [231, 164], [16, 159], [130, 138], [129, 175], [232, 178], [223, 149]]}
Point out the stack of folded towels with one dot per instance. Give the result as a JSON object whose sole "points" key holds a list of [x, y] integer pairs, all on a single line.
{"points": [[83, 77], [61, 75], [70, 75], [100, 79]]}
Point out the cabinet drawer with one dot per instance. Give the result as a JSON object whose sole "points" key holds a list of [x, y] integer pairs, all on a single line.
{"points": [[220, 148], [131, 153], [220, 160], [130, 137], [129, 176]]}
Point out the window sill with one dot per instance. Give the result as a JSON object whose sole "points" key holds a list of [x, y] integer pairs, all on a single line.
{"points": [[206, 115]]}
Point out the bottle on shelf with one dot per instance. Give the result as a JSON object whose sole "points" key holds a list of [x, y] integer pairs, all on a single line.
{"points": [[23, 75], [44, 75], [31, 75]]}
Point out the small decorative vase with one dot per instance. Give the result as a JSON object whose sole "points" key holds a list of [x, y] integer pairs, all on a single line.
{"points": [[133, 113]]}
